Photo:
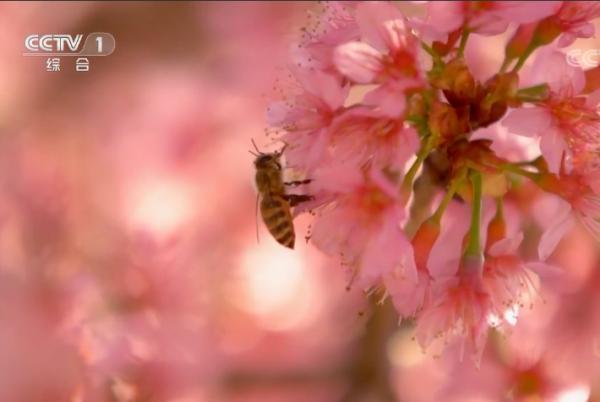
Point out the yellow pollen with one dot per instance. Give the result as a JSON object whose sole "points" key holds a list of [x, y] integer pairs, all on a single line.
{"points": [[374, 200]]}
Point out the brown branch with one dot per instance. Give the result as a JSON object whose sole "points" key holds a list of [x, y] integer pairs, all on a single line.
{"points": [[369, 372]]}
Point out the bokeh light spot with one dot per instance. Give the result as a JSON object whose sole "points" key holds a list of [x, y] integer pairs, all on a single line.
{"points": [[577, 394], [276, 286], [160, 206]]}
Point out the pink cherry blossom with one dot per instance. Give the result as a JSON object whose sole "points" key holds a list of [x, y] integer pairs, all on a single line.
{"points": [[363, 224], [566, 123], [460, 308], [387, 55]]}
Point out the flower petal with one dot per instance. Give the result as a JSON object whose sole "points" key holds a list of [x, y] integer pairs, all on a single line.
{"points": [[527, 122], [388, 251], [544, 270], [551, 67], [553, 147], [358, 61], [277, 113], [561, 224], [389, 99], [337, 178], [506, 246], [381, 24], [551, 276], [445, 16], [324, 86]]}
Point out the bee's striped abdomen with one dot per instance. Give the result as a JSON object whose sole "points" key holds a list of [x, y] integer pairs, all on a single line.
{"points": [[275, 211]]}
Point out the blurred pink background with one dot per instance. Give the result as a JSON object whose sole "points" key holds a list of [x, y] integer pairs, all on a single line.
{"points": [[129, 265]]}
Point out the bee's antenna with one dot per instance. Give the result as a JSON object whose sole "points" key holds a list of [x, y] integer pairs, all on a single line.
{"points": [[254, 153], [255, 147], [282, 149]]}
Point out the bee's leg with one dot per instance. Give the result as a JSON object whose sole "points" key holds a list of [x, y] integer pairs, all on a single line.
{"points": [[295, 199], [297, 182]]}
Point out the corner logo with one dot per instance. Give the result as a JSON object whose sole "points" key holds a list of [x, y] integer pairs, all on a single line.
{"points": [[95, 44]]}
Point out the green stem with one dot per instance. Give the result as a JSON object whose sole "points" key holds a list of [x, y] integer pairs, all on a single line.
{"points": [[523, 58], [463, 42], [429, 49], [434, 55], [473, 247], [524, 163], [505, 64], [535, 93], [412, 172], [509, 167]]}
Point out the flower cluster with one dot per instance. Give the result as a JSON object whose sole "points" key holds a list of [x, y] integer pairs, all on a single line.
{"points": [[383, 101]]}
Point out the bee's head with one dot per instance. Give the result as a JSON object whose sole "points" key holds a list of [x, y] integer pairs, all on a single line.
{"points": [[265, 161]]}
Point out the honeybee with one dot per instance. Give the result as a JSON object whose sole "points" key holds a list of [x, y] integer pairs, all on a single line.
{"points": [[275, 204]]}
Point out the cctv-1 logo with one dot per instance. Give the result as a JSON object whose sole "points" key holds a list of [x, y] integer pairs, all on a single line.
{"points": [[93, 44]]}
